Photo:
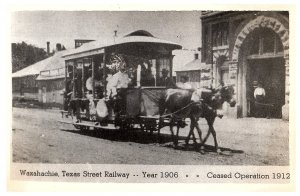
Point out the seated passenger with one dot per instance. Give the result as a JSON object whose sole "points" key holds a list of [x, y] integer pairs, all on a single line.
{"points": [[89, 83], [147, 78], [165, 80]]}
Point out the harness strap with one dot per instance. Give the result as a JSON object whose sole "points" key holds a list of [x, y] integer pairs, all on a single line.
{"points": [[188, 105], [171, 114], [265, 104]]}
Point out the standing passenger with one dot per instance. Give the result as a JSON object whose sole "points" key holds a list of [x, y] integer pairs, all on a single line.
{"points": [[120, 79], [116, 85]]}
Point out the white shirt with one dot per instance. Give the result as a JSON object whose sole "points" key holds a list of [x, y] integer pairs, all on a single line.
{"points": [[259, 91], [89, 83], [118, 80]]}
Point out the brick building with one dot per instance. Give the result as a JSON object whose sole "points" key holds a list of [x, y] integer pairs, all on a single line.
{"points": [[243, 47]]}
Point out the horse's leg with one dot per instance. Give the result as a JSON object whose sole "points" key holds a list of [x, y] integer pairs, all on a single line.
{"points": [[159, 126], [209, 121], [177, 134], [190, 133], [199, 131], [213, 131], [195, 124], [171, 129], [207, 135]]}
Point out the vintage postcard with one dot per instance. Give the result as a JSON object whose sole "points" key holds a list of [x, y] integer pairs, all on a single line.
{"points": [[193, 96]]}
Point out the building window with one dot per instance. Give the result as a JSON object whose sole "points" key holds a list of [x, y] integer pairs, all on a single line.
{"points": [[265, 41], [164, 63], [205, 39], [224, 76], [220, 34], [268, 44]]}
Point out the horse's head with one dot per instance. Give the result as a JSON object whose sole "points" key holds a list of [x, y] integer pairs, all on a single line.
{"points": [[227, 94]]}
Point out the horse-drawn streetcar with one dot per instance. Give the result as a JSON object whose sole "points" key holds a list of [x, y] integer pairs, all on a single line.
{"points": [[118, 85]]}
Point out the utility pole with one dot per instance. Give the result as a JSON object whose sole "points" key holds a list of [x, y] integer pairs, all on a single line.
{"points": [[115, 35]]}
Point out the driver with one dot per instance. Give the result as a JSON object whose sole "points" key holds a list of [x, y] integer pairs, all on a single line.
{"points": [[120, 79], [116, 85]]}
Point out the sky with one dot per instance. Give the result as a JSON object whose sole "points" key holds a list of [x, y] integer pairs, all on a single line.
{"points": [[38, 27]]}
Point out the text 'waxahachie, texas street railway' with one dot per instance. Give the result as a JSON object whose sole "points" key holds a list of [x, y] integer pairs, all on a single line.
{"points": [[105, 174]]}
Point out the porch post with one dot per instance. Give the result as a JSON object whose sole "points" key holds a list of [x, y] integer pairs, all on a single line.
{"points": [[93, 76], [233, 78], [83, 78], [285, 107], [104, 72], [66, 87], [74, 82]]}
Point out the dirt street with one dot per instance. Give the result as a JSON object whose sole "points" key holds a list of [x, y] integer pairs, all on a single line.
{"points": [[37, 137]]}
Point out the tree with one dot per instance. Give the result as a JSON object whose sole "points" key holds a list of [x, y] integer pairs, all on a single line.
{"points": [[24, 54]]}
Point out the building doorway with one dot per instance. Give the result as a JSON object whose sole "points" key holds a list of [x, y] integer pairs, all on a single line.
{"points": [[262, 62], [270, 73]]}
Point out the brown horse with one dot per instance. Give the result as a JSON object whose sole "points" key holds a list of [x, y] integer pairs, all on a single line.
{"points": [[195, 104]]}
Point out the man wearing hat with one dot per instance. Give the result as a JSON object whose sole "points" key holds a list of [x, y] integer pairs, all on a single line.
{"points": [[165, 80], [118, 80], [116, 85]]}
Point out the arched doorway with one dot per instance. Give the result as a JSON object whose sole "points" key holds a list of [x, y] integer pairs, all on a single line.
{"points": [[262, 62], [242, 57]]}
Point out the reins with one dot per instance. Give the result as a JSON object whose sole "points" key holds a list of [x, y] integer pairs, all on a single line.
{"points": [[188, 105], [171, 114]]}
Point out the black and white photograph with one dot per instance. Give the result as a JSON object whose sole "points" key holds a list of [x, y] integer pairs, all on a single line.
{"points": [[195, 88]]}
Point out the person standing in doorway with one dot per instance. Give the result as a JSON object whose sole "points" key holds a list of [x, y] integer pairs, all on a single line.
{"points": [[259, 97]]}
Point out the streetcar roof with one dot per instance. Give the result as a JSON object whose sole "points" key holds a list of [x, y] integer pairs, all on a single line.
{"points": [[97, 47]]}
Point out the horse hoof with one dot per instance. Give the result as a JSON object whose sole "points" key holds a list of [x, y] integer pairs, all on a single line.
{"points": [[175, 145], [220, 116], [202, 152]]}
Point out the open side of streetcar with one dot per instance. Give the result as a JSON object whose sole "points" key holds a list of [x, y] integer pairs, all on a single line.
{"points": [[87, 72]]}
